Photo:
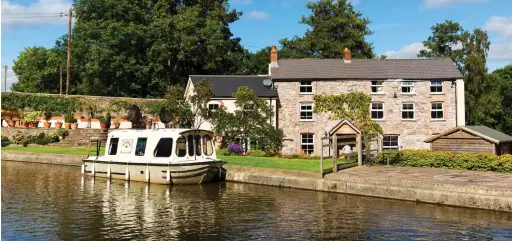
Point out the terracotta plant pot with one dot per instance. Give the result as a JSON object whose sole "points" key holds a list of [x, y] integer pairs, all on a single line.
{"points": [[10, 123], [26, 124], [103, 125], [33, 124], [74, 126], [116, 125], [47, 125], [58, 125], [67, 125]]}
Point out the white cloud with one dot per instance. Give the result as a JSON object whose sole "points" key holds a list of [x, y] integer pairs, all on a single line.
{"points": [[501, 25], [500, 52], [241, 2], [40, 12], [444, 3], [11, 78], [258, 15], [406, 52]]}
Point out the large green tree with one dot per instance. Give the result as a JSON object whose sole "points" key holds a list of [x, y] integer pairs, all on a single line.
{"points": [[139, 48], [469, 52], [333, 26], [503, 79]]}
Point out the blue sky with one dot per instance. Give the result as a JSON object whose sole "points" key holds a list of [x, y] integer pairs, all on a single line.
{"points": [[399, 25]]}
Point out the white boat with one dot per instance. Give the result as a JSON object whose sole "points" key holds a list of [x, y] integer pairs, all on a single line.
{"points": [[163, 156]]}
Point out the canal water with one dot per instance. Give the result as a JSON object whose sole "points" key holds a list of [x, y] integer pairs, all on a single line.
{"points": [[50, 202]]}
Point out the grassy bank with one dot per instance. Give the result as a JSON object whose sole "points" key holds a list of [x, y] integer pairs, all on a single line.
{"points": [[50, 149], [312, 165]]}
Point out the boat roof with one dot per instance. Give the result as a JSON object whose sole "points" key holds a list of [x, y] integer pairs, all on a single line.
{"points": [[168, 132]]}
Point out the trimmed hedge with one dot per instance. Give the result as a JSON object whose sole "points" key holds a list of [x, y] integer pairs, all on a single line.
{"points": [[441, 159]]}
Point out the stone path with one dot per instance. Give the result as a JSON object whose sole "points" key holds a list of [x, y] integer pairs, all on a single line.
{"points": [[431, 175]]}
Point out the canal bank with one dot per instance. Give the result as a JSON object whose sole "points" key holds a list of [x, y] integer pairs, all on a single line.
{"points": [[472, 189]]}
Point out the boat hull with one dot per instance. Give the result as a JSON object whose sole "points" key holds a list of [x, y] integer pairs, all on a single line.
{"points": [[195, 173]]}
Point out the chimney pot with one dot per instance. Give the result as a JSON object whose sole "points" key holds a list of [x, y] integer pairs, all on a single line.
{"points": [[347, 56], [273, 57]]}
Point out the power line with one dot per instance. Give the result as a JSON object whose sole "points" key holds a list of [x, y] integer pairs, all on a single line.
{"points": [[12, 14]]}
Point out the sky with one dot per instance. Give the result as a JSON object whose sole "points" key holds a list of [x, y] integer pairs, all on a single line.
{"points": [[399, 25]]}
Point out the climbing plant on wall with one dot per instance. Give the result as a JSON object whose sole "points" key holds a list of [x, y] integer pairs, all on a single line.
{"points": [[353, 106], [56, 104]]}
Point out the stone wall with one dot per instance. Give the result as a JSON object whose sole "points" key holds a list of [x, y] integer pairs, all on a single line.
{"points": [[412, 132]]}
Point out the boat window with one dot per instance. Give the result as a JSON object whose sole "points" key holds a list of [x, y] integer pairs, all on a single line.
{"points": [[114, 143], [198, 144], [163, 148], [190, 145], [181, 147], [207, 145], [141, 146]]}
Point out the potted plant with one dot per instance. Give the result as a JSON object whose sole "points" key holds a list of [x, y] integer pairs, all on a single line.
{"points": [[103, 124], [47, 117], [116, 123], [31, 119], [108, 119], [62, 133], [58, 125], [70, 121]]}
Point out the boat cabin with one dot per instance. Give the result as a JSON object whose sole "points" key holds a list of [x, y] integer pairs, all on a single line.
{"points": [[160, 145]]}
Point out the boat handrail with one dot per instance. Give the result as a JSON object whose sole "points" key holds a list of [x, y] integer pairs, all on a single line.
{"points": [[98, 146]]}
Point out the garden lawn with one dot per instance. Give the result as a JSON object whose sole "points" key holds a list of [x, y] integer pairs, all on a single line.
{"points": [[51, 149], [312, 165], [278, 163]]}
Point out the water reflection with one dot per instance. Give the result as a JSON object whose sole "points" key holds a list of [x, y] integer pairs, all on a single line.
{"points": [[56, 202]]}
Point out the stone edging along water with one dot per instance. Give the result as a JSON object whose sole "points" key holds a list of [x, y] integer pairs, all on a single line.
{"points": [[439, 193]]}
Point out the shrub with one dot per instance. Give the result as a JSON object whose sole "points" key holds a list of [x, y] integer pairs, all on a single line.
{"points": [[442, 159], [68, 118], [5, 141], [235, 148], [303, 155], [61, 132], [223, 152], [258, 153]]}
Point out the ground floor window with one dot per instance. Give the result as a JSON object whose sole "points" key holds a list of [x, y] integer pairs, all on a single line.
{"points": [[390, 142], [307, 142]]}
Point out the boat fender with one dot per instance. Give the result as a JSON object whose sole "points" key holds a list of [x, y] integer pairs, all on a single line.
{"points": [[108, 172], [168, 176], [83, 168], [147, 174], [127, 174], [93, 171]]}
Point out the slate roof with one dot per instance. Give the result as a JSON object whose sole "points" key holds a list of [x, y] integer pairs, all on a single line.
{"points": [[226, 85], [484, 132], [412, 69]]}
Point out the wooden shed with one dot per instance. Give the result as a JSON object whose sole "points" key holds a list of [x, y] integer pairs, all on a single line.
{"points": [[472, 139]]}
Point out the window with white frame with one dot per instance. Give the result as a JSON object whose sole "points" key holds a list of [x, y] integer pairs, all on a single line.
{"points": [[390, 142], [407, 87], [377, 110], [306, 87], [437, 111], [377, 86], [306, 111], [436, 87], [213, 107], [408, 111], [307, 143]]}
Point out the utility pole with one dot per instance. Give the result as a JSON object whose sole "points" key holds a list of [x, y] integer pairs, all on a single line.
{"points": [[68, 76], [5, 78], [60, 81]]}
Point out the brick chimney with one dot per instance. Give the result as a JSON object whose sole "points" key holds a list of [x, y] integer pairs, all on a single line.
{"points": [[273, 57], [347, 56]]}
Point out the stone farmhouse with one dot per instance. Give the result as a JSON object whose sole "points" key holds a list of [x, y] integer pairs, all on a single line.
{"points": [[412, 99]]}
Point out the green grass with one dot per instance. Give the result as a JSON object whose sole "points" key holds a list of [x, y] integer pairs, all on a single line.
{"points": [[312, 165], [52, 149]]}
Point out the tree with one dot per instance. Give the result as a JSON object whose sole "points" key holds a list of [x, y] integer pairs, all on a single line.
{"points": [[503, 79], [333, 26], [251, 120], [203, 92], [469, 52], [38, 70]]}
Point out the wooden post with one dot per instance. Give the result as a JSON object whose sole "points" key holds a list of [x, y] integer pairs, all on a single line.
{"points": [[60, 82], [335, 154], [322, 158], [68, 76], [359, 150]]}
